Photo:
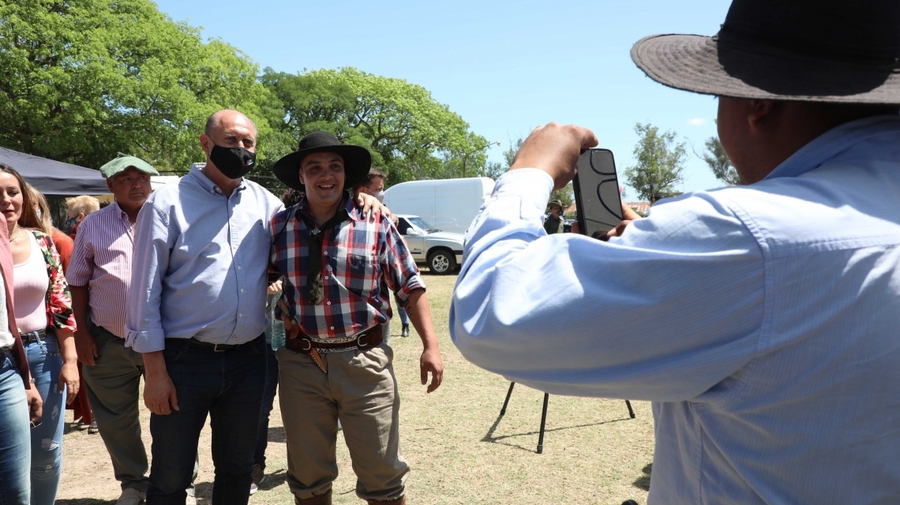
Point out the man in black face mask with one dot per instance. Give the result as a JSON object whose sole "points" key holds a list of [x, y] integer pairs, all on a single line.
{"points": [[196, 312]]}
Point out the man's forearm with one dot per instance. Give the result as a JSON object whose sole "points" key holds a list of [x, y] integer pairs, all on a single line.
{"points": [[154, 364], [420, 316]]}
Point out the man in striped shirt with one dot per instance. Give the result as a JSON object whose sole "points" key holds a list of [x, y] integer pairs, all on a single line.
{"points": [[339, 267], [99, 275]]}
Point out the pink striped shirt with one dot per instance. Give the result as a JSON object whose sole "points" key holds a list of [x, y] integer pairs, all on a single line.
{"points": [[101, 260]]}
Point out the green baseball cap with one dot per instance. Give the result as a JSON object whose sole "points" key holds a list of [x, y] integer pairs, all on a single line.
{"points": [[121, 162]]}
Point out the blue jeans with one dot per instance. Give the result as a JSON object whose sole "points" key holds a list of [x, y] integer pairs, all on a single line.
{"points": [[228, 387], [268, 400], [15, 447], [45, 362]]}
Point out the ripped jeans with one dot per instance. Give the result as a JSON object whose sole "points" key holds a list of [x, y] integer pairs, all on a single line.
{"points": [[45, 362]]}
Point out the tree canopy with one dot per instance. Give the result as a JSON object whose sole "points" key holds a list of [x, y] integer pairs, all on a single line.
{"points": [[717, 160], [411, 135], [659, 163], [81, 81]]}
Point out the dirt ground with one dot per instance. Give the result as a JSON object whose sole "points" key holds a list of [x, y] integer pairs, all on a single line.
{"points": [[460, 450], [88, 475]]}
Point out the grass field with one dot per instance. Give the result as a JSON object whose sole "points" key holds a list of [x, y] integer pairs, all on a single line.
{"points": [[460, 450]]}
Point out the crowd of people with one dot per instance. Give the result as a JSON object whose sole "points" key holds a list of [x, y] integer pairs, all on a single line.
{"points": [[124, 302], [759, 319]]}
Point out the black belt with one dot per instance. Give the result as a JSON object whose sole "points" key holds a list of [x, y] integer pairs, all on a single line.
{"points": [[216, 347], [32, 336]]}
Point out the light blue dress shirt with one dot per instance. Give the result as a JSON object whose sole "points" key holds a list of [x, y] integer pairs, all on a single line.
{"points": [[763, 321], [200, 264]]}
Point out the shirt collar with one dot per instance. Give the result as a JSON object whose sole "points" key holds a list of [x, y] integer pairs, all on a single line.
{"points": [[207, 184], [831, 143], [118, 210]]}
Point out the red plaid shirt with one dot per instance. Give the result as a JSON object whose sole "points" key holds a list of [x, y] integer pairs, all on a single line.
{"points": [[363, 260]]}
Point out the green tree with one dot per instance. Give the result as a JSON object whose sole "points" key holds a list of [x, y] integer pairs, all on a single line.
{"points": [[659, 163], [718, 161], [81, 81], [494, 169], [510, 154], [410, 135]]}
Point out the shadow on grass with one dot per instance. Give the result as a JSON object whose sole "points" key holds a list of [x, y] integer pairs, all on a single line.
{"points": [[74, 428], [273, 480], [276, 434], [490, 438], [203, 490], [643, 481]]}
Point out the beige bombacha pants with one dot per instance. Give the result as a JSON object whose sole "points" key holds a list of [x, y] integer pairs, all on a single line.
{"points": [[359, 389]]}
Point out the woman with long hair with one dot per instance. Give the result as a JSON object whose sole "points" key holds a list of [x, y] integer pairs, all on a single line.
{"points": [[46, 323], [64, 243]]}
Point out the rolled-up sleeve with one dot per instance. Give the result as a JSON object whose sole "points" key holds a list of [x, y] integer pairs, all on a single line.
{"points": [[143, 321], [402, 273], [663, 313]]}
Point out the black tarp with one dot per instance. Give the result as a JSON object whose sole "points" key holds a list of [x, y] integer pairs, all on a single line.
{"points": [[55, 178]]}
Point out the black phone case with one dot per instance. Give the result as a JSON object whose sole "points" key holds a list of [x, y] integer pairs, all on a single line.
{"points": [[597, 192]]}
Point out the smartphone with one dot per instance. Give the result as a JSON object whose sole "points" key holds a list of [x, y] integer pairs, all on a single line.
{"points": [[597, 193]]}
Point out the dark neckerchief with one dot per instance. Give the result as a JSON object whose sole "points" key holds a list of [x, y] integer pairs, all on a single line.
{"points": [[315, 288]]}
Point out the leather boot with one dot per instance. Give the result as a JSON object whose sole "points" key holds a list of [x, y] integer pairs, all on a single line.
{"points": [[405, 331], [398, 501], [322, 499]]}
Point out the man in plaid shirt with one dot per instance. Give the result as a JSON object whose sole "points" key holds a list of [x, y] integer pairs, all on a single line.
{"points": [[339, 267]]}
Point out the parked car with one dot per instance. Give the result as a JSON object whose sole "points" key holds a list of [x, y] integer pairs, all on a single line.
{"points": [[440, 251]]}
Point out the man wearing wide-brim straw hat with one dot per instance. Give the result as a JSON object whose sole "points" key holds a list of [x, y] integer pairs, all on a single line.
{"points": [[761, 319], [339, 267]]}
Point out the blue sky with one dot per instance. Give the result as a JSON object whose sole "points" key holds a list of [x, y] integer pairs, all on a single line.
{"points": [[505, 67]]}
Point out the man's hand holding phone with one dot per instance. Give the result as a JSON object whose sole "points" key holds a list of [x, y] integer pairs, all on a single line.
{"points": [[554, 148]]}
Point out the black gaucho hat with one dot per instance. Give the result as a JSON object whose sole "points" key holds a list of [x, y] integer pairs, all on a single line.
{"points": [[834, 51], [357, 160]]}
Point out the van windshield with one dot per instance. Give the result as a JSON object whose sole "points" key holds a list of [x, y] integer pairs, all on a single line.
{"points": [[418, 222]]}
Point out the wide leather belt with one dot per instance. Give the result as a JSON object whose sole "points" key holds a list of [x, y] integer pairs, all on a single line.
{"points": [[299, 341], [32, 336]]}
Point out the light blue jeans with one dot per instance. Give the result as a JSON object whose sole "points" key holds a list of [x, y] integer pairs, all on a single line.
{"points": [[15, 450], [45, 362]]}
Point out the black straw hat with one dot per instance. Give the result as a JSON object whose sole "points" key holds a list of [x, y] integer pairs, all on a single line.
{"points": [[357, 160], [836, 51]]}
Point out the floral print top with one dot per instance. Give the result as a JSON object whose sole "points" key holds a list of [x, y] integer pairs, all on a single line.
{"points": [[59, 299]]}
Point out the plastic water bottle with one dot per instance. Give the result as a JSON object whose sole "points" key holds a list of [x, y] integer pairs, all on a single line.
{"points": [[277, 341], [276, 326]]}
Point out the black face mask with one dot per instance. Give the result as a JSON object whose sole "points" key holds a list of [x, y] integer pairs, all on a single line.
{"points": [[233, 162]]}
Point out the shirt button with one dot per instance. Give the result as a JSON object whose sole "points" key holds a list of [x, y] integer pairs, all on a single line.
{"points": [[239, 267], [242, 290], [329, 303], [332, 327], [241, 314], [326, 277]]}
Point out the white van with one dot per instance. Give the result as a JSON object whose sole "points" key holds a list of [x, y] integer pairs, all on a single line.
{"points": [[447, 204]]}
